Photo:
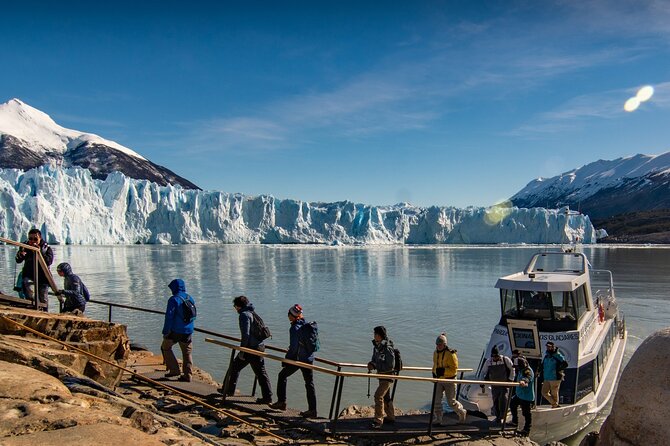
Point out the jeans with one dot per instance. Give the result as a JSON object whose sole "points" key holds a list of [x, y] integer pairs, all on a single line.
{"points": [[383, 404], [449, 390], [525, 410], [307, 375], [257, 365], [28, 285], [499, 401], [186, 346]]}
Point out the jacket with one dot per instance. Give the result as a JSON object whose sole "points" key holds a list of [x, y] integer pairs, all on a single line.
{"points": [[383, 356], [549, 363], [501, 370], [246, 321], [526, 393], [445, 363], [73, 290], [174, 315], [296, 351], [28, 256]]}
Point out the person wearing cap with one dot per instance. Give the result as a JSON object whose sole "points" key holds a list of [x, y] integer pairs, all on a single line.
{"points": [[383, 360], [74, 290], [177, 331], [498, 368], [445, 366], [296, 352], [28, 273], [524, 396], [551, 376]]}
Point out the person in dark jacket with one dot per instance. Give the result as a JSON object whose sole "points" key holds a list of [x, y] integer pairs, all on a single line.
{"points": [[383, 360], [246, 320], [27, 257], [73, 290], [176, 330], [297, 352], [498, 368]]}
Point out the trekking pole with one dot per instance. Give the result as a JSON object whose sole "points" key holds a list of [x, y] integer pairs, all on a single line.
{"points": [[368, 384]]}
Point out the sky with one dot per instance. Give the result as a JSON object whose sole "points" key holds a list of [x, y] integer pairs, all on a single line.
{"points": [[446, 103]]}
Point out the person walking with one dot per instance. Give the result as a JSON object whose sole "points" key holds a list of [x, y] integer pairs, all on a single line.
{"points": [[445, 366], [28, 273], [74, 290], [524, 396], [178, 329], [498, 368], [248, 333], [553, 365], [298, 350], [383, 360]]}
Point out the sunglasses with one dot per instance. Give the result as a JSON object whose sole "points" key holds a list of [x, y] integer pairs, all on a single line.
{"points": [[33, 239]]}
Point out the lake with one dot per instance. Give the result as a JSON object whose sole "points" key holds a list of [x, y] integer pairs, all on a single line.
{"points": [[416, 292]]}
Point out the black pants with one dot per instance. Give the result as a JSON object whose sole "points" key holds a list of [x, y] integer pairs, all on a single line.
{"points": [[257, 365], [307, 375], [499, 401], [525, 410]]}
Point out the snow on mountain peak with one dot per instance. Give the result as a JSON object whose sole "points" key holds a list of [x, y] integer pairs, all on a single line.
{"points": [[35, 127]]}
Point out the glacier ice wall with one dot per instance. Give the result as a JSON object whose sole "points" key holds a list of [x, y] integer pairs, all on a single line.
{"points": [[71, 207]]}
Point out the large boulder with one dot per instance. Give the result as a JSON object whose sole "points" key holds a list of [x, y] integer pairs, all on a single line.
{"points": [[104, 340], [641, 411]]}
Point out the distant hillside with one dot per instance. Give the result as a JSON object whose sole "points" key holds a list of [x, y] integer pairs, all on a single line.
{"points": [[620, 195], [29, 138], [637, 227]]}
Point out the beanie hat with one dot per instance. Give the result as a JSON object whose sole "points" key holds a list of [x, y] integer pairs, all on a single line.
{"points": [[295, 310], [441, 339], [494, 351], [381, 331]]}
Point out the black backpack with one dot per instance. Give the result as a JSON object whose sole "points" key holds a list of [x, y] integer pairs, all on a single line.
{"points": [[259, 330], [308, 337], [189, 310], [397, 363], [87, 295]]}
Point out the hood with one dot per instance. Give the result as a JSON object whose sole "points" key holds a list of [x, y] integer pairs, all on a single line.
{"points": [[249, 307], [177, 285], [65, 267]]}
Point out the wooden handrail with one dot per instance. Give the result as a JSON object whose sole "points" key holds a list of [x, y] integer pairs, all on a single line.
{"points": [[40, 259]]}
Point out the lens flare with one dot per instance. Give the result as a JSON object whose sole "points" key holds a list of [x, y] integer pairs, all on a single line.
{"points": [[497, 213], [645, 93], [632, 104]]}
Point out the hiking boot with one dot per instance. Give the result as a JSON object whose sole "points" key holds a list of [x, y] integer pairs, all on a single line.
{"points": [[513, 423], [263, 400], [184, 379], [524, 433], [171, 375], [308, 414], [462, 416], [279, 405], [375, 425]]}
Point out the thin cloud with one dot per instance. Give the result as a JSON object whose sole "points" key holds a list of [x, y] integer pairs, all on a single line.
{"points": [[88, 120]]}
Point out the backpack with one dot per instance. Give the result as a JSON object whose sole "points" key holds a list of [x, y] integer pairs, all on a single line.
{"points": [[87, 295], [397, 363], [259, 330], [308, 337], [189, 310]]}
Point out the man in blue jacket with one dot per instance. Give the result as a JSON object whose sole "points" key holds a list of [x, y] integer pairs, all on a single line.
{"points": [[297, 351], [552, 366], [177, 330]]}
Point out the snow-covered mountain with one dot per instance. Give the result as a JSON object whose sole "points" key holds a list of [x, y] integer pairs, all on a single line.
{"points": [[30, 138], [605, 188], [70, 206]]}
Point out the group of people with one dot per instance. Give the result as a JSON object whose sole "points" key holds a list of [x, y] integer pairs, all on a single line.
{"points": [[500, 368], [74, 294]]}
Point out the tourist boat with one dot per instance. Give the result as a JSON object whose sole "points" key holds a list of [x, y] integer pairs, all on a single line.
{"points": [[559, 298]]}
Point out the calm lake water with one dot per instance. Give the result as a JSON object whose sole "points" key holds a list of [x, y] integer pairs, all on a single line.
{"points": [[416, 292]]}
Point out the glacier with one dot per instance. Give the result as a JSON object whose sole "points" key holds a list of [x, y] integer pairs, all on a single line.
{"points": [[70, 207]]}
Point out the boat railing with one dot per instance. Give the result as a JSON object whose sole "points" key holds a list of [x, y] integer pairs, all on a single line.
{"points": [[341, 375]]}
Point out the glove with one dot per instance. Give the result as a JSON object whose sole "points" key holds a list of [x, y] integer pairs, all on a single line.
{"points": [[371, 366], [60, 292]]}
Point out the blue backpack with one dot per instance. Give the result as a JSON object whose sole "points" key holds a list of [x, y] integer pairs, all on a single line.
{"points": [[308, 337]]}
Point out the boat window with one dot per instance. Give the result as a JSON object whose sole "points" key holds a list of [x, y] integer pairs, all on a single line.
{"points": [[580, 301], [563, 308], [509, 303], [585, 380], [536, 304]]}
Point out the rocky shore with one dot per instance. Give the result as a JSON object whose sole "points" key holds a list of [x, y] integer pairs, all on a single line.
{"points": [[52, 396]]}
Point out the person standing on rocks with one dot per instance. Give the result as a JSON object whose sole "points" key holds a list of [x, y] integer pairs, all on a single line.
{"points": [[445, 366], [498, 368], [27, 257], [553, 365], [383, 360], [524, 396], [250, 333], [178, 329], [74, 290], [297, 351]]}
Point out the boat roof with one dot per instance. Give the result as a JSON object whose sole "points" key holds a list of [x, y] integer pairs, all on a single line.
{"points": [[549, 271]]}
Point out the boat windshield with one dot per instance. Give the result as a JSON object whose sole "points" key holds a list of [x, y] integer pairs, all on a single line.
{"points": [[540, 305]]}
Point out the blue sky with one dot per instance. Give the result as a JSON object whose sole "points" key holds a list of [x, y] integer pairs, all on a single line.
{"points": [[449, 103]]}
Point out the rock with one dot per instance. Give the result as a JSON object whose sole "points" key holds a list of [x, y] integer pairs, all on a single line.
{"points": [[640, 410], [102, 434], [24, 383]]}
